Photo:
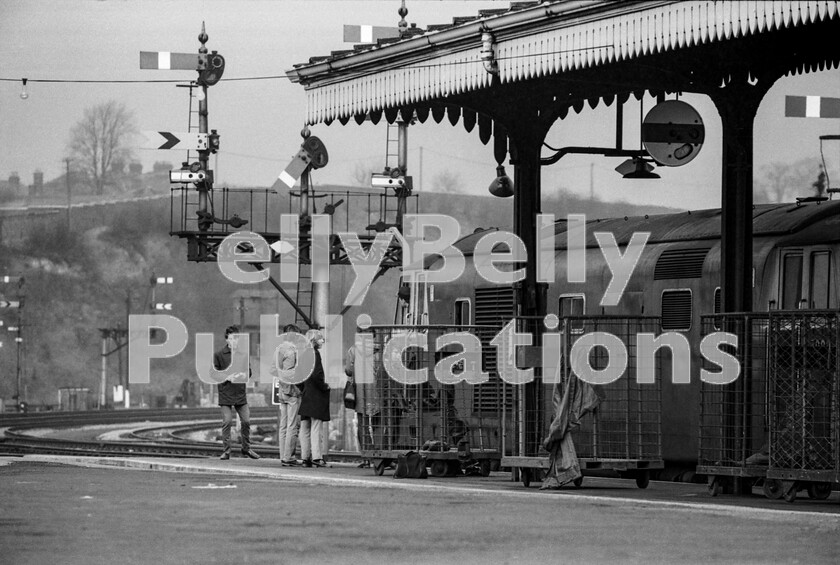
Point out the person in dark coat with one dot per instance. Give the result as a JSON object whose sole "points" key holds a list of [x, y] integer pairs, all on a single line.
{"points": [[232, 396], [314, 407]]}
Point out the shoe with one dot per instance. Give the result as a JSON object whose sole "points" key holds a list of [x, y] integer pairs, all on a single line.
{"points": [[224, 456], [307, 462], [319, 463], [289, 463], [250, 453]]}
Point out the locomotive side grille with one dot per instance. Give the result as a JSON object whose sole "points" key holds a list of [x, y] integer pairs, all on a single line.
{"points": [[493, 307], [680, 264], [676, 310]]}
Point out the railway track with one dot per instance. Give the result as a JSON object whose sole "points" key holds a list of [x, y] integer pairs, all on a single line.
{"points": [[158, 439], [18, 438]]}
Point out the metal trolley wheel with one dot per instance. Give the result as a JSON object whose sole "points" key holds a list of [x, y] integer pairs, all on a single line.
{"points": [[790, 493], [643, 479], [526, 477], [439, 468], [714, 486], [529, 475], [379, 466], [773, 489], [578, 481], [485, 467], [819, 491]]}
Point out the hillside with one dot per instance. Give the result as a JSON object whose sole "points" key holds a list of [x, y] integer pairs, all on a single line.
{"points": [[82, 280]]}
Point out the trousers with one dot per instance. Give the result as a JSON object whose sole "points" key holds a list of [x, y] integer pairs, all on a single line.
{"points": [[310, 439], [288, 423], [245, 421]]}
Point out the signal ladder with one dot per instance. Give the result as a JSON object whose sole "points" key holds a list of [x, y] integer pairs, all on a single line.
{"points": [[303, 296], [192, 126], [389, 207]]}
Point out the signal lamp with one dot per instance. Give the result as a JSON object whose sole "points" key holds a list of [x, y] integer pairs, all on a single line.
{"points": [[213, 141]]}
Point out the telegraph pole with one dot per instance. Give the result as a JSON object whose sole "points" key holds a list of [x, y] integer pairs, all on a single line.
{"points": [[103, 378], [420, 171], [67, 181], [127, 337]]}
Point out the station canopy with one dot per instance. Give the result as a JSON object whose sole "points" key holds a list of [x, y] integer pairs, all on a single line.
{"points": [[533, 40]]}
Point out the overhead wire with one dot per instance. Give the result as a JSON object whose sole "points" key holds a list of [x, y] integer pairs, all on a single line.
{"points": [[283, 76]]}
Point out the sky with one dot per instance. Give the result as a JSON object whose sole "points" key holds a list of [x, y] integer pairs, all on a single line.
{"points": [[260, 120]]}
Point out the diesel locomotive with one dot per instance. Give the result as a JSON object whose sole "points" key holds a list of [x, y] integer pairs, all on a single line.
{"points": [[676, 279]]}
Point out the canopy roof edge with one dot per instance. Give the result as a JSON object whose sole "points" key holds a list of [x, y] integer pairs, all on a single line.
{"points": [[548, 39]]}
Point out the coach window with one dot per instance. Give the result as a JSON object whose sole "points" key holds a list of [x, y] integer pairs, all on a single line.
{"points": [[462, 312], [791, 281], [676, 309], [573, 305], [820, 279]]}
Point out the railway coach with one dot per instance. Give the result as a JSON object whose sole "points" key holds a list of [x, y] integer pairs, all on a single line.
{"points": [[677, 279]]}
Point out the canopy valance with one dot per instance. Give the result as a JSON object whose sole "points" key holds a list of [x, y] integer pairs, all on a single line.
{"points": [[550, 38]]}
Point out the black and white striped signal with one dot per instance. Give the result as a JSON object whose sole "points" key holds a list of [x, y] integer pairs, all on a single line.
{"points": [[312, 154]]}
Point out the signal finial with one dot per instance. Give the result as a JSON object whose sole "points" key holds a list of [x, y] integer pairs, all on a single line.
{"points": [[203, 37]]}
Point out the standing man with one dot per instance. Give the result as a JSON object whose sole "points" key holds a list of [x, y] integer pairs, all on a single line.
{"points": [[232, 395], [288, 400], [314, 407]]}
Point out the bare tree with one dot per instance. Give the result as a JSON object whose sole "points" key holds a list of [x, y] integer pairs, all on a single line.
{"points": [[780, 182], [447, 181], [100, 139]]}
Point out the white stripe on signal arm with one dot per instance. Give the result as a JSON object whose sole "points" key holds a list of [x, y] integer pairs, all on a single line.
{"points": [[287, 179]]}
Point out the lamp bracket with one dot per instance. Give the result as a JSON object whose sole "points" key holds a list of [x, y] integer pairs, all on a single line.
{"points": [[605, 151]]}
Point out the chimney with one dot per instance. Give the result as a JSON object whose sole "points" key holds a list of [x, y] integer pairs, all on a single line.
{"points": [[14, 182]]}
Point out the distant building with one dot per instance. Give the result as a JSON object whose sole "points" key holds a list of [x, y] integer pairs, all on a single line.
{"points": [[74, 399]]}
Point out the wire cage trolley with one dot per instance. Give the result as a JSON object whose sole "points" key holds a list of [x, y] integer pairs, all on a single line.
{"points": [[435, 418], [623, 434], [776, 426], [733, 417], [804, 408]]}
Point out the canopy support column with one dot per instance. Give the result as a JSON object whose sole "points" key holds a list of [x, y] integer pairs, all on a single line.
{"points": [[531, 295]]}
